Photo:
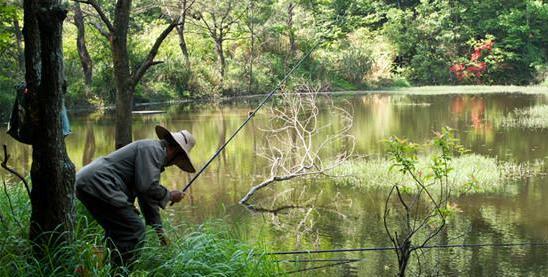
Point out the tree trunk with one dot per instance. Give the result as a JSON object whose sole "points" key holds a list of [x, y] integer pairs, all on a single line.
{"points": [[290, 14], [85, 59], [182, 42], [252, 50], [52, 172], [122, 77], [220, 57], [19, 40], [403, 257]]}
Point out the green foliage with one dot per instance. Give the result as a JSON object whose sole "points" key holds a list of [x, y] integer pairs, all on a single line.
{"points": [[403, 155], [8, 11], [432, 34], [421, 214], [368, 44], [10, 71]]}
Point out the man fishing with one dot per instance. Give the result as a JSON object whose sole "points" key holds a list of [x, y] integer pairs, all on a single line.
{"points": [[109, 185]]}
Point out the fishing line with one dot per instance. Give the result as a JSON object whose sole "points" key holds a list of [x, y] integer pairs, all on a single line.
{"points": [[319, 267], [252, 114], [317, 260], [393, 248]]}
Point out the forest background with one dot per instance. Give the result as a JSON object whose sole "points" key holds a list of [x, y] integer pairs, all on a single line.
{"points": [[230, 48]]}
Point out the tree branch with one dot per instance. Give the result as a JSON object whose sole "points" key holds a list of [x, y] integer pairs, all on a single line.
{"points": [[13, 171], [100, 11], [149, 61], [292, 150], [275, 211], [100, 29]]}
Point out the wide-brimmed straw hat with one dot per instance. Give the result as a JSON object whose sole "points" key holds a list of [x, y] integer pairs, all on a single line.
{"points": [[185, 141]]}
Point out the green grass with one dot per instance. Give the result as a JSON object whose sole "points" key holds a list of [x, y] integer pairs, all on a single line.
{"points": [[207, 250], [471, 173], [210, 249], [535, 117]]}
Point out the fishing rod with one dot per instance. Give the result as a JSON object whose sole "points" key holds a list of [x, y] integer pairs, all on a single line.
{"points": [[252, 114], [393, 248]]}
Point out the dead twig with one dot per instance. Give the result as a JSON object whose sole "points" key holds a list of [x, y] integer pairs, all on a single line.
{"points": [[13, 171], [298, 142]]}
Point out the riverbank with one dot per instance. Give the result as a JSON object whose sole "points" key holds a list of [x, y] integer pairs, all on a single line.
{"points": [[447, 90], [424, 90]]}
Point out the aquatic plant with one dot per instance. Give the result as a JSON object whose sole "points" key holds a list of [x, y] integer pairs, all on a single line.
{"points": [[413, 214], [473, 173], [535, 117]]}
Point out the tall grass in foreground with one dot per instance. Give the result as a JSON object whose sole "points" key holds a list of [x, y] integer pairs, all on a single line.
{"points": [[206, 250], [472, 173]]}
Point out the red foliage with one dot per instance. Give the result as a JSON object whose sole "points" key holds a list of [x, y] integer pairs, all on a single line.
{"points": [[476, 55], [473, 68]]}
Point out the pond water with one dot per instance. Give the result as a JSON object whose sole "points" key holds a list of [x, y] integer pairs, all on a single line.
{"points": [[321, 215]]}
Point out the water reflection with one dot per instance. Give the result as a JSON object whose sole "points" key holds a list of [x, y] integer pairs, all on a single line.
{"points": [[316, 214], [89, 146]]}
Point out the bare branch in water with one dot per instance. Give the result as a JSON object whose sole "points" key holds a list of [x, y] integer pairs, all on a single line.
{"points": [[13, 171], [299, 144]]}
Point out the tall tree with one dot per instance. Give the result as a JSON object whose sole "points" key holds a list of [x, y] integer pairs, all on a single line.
{"points": [[126, 79], [251, 27], [218, 18], [19, 43], [85, 59], [290, 28], [258, 13], [183, 9], [52, 172]]}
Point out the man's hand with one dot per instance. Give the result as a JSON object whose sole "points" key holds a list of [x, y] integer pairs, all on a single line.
{"points": [[176, 196]]}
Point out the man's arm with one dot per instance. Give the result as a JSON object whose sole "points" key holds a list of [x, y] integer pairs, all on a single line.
{"points": [[151, 201]]}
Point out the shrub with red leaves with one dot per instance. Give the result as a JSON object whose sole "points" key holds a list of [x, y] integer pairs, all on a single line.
{"points": [[473, 68]]}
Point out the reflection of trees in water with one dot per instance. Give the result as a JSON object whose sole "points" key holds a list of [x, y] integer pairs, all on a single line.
{"points": [[298, 213], [457, 104], [89, 146], [20, 155], [477, 112], [222, 138], [382, 113], [333, 221]]}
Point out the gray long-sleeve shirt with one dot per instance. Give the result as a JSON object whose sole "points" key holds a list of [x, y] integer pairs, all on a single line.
{"points": [[130, 172]]}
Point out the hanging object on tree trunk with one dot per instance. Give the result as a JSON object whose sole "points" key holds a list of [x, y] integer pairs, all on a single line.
{"points": [[20, 125]]}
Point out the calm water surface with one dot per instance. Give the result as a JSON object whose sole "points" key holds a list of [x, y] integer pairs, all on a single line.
{"points": [[320, 215]]}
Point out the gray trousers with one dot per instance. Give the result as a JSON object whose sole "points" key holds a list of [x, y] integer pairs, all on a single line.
{"points": [[124, 229]]}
